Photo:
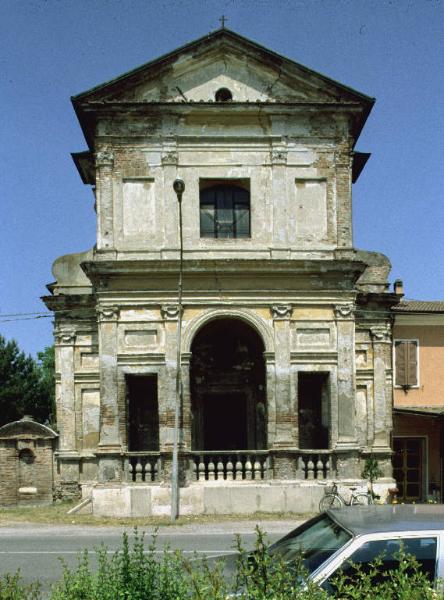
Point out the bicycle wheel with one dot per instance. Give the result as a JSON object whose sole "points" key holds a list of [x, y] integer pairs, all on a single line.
{"points": [[361, 500], [330, 501]]}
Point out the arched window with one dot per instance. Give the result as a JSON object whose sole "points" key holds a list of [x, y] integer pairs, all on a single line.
{"points": [[224, 211]]}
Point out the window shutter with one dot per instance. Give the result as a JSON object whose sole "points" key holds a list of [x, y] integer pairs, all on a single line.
{"points": [[411, 365], [406, 362], [400, 363]]}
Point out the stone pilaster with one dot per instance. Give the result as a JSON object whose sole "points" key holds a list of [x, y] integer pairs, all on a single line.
{"points": [[285, 416], [381, 340], [66, 418], [170, 161], [344, 194], [170, 315], [186, 400], [67, 455], [346, 408], [278, 166], [104, 200], [109, 448]]}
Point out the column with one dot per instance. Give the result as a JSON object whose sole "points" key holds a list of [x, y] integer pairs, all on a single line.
{"points": [[104, 200], [109, 448], [67, 455], [382, 343]]}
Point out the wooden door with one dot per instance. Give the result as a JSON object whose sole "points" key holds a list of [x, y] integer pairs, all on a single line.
{"points": [[408, 468]]}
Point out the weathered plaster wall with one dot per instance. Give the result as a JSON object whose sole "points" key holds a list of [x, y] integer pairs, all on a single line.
{"points": [[431, 365]]}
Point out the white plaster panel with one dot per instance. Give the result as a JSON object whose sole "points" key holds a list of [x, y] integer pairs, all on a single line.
{"points": [[89, 360], [312, 337], [361, 414], [315, 335], [136, 337], [361, 357], [138, 208], [311, 209], [138, 314], [90, 417]]}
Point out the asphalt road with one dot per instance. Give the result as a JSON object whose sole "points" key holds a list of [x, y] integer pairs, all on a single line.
{"points": [[36, 549]]}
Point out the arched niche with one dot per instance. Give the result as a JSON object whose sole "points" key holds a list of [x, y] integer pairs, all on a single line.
{"points": [[228, 386]]}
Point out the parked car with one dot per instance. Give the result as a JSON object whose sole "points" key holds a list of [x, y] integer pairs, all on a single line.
{"points": [[359, 534]]}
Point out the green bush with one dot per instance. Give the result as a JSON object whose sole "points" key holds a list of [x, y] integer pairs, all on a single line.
{"points": [[137, 572], [12, 588]]}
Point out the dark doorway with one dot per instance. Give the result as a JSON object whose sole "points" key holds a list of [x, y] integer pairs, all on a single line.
{"points": [[314, 410], [143, 413], [228, 387], [221, 428]]}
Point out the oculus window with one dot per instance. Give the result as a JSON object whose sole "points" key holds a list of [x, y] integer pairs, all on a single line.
{"points": [[225, 208]]}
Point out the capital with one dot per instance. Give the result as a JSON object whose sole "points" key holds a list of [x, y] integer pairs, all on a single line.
{"points": [[279, 156], [104, 158], [381, 334], [107, 313], [281, 311], [344, 311], [65, 337], [170, 312], [170, 158]]}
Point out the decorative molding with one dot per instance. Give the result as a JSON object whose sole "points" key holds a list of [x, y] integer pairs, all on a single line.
{"points": [[170, 312], [104, 158], [107, 313], [344, 311], [278, 156], [65, 337], [170, 158], [281, 311], [381, 334], [257, 322]]}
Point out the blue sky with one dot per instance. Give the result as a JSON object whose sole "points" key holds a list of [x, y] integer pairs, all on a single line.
{"points": [[50, 50]]}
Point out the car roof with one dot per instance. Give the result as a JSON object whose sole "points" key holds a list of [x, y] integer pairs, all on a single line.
{"points": [[386, 518]]}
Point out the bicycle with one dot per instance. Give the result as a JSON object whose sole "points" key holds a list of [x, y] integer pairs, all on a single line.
{"points": [[333, 499]]}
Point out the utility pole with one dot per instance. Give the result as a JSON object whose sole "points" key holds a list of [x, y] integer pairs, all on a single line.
{"points": [[179, 188]]}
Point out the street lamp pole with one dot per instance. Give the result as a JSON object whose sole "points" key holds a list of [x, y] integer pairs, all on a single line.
{"points": [[179, 188]]}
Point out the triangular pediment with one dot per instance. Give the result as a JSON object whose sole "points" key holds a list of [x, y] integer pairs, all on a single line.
{"points": [[222, 59]]}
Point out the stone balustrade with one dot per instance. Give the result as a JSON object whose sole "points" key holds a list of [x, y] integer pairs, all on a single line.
{"points": [[316, 464], [143, 467], [229, 466]]}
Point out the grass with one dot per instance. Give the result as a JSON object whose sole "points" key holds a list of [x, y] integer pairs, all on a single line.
{"points": [[56, 514]]}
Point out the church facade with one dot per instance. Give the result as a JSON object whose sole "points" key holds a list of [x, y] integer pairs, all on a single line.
{"points": [[285, 345]]}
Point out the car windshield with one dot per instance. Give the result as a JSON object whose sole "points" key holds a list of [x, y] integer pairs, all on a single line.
{"points": [[316, 541]]}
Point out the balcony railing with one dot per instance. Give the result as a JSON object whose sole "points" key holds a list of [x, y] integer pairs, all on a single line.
{"points": [[246, 465], [143, 467]]}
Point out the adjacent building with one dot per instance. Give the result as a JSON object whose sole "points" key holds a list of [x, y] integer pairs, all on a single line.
{"points": [[418, 434], [285, 352]]}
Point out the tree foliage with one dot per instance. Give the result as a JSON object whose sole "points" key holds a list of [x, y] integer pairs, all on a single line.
{"points": [[26, 385]]}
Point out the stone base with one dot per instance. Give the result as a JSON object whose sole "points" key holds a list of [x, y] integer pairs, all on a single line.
{"points": [[218, 498]]}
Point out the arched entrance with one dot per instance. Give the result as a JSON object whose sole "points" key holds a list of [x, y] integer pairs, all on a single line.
{"points": [[228, 399]]}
